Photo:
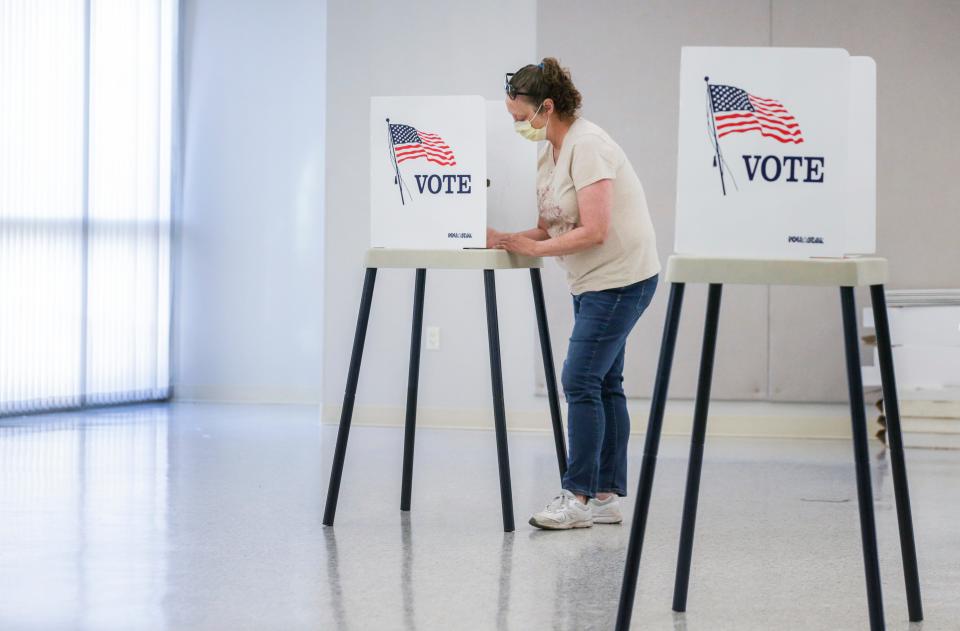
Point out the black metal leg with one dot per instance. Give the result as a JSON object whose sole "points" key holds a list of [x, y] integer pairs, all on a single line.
{"points": [[346, 414], [891, 408], [499, 413], [628, 588], [413, 380], [549, 372], [696, 448], [868, 532]]}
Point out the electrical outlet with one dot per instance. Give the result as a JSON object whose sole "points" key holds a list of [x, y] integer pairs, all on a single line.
{"points": [[433, 338]]}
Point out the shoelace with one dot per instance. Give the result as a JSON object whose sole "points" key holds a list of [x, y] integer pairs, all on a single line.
{"points": [[558, 502]]}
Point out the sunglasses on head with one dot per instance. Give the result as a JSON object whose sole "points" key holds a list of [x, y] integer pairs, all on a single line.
{"points": [[511, 91]]}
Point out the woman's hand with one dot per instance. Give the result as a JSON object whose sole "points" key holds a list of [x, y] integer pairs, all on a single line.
{"points": [[519, 244], [493, 237]]}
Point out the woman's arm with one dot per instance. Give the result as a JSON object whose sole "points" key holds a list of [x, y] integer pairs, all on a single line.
{"points": [[495, 237], [595, 202], [537, 234]]}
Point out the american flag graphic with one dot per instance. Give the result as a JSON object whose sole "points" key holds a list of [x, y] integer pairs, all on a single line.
{"points": [[734, 111], [410, 143]]}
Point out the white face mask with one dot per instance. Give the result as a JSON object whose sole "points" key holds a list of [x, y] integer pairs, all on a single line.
{"points": [[528, 131]]}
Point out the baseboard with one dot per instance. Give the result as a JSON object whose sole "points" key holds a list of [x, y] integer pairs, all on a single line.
{"points": [[726, 418], [246, 394]]}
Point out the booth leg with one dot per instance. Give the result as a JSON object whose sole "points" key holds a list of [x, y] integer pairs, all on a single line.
{"points": [[891, 409], [499, 413], [549, 372], [696, 448], [628, 588], [346, 414], [413, 380], [868, 533]]}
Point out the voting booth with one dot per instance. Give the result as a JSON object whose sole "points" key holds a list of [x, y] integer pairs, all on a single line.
{"points": [[776, 186], [439, 166], [428, 172], [443, 168], [776, 153]]}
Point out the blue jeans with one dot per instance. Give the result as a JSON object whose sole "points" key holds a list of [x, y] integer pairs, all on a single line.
{"points": [[598, 426]]}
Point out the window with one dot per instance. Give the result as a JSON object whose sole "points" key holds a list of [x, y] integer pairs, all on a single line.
{"points": [[86, 137]]}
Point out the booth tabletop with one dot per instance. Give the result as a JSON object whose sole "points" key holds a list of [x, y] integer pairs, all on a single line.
{"points": [[842, 272], [449, 259]]}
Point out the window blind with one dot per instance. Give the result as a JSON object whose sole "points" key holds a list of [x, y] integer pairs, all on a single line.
{"points": [[86, 137]]}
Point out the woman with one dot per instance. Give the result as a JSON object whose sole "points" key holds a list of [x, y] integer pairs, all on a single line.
{"points": [[594, 219]]}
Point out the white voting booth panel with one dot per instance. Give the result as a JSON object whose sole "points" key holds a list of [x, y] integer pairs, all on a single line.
{"points": [[776, 153], [428, 172], [512, 170], [860, 226], [431, 207]]}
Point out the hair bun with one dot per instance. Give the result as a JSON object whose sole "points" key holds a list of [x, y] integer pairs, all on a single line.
{"points": [[551, 82]]}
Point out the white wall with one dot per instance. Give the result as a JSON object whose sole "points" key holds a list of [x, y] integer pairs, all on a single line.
{"points": [[781, 343], [411, 48], [248, 288], [258, 253]]}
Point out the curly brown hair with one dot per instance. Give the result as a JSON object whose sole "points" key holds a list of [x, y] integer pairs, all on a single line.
{"points": [[548, 80]]}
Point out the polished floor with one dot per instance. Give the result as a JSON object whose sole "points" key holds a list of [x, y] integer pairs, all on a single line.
{"points": [[190, 516]]}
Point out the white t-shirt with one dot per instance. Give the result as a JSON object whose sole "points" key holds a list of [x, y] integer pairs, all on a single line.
{"points": [[629, 252]]}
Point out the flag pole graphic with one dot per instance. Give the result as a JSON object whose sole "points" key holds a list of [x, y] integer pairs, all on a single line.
{"points": [[716, 143], [396, 168]]}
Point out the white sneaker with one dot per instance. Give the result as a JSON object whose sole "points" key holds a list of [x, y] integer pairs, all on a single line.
{"points": [[565, 511], [606, 511]]}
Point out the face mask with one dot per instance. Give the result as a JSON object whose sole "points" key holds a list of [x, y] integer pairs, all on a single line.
{"points": [[528, 131]]}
